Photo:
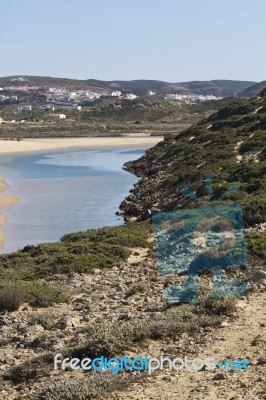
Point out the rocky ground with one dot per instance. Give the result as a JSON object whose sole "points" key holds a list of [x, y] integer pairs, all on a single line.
{"points": [[133, 292], [243, 338]]}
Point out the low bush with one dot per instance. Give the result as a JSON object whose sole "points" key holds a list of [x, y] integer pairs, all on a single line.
{"points": [[46, 319], [11, 297], [96, 386]]}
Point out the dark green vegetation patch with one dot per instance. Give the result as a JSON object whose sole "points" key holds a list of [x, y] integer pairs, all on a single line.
{"points": [[76, 253]]}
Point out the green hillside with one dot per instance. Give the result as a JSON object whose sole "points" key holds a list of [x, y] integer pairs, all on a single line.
{"points": [[230, 144]]}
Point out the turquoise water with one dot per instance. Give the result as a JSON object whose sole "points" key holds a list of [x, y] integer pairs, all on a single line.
{"points": [[64, 191]]}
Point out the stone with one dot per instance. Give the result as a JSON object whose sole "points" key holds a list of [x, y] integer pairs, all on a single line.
{"points": [[71, 322], [224, 324], [220, 376], [2, 322], [261, 360], [259, 277], [125, 317]]}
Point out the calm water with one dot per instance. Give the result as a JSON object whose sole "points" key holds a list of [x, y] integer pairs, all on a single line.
{"points": [[64, 191]]}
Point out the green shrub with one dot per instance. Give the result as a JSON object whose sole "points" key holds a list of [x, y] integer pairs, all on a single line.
{"points": [[44, 295], [77, 252], [46, 319]]}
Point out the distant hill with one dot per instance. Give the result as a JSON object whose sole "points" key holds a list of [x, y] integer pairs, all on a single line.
{"points": [[254, 89], [223, 88], [141, 86], [73, 84]]}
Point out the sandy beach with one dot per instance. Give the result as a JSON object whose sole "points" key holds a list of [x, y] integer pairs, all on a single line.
{"points": [[32, 145], [6, 200]]}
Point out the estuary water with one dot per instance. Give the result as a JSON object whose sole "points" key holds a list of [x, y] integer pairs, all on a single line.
{"points": [[64, 191]]}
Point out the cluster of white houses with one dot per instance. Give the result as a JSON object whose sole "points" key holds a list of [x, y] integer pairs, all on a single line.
{"points": [[191, 98], [62, 94], [62, 105], [47, 107]]}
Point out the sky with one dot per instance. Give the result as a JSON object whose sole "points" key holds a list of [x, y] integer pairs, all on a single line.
{"points": [[169, 40]]}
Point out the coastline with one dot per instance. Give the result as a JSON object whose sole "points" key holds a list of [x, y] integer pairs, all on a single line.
{"points": [[35, 145], [39, 145], [6, 200]]}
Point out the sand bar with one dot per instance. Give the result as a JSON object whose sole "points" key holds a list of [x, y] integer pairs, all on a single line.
{"points": [[32, 145], [6, 200]]}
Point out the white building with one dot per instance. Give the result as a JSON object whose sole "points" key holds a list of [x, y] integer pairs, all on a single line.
{"points": [[173, 97], [70, 96], [130, 96], [16, 88], [34, 88], [47, 107], [191, 98], [56, 117], [116, 94], [151, 93], [24, 109], [14, 98], [3, 97], [68, 106], [19, 80]]}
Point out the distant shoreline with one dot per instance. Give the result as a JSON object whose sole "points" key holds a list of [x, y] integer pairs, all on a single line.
{"points": [[35, 145]]}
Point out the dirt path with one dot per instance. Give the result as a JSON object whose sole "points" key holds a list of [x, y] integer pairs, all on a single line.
{"points": [[244, 339], [238, 156]]}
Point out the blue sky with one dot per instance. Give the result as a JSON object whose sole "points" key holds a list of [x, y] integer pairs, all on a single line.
{"points": [[171, 40]]}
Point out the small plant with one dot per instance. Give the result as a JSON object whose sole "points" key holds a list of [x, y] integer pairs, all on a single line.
{"points": [[46, 319], [11, 297], [96, 386], [139, 287], [218, 306]]}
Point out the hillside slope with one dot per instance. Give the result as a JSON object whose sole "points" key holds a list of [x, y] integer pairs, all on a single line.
{"points": [[230, 144], [223, 88], [29, 80], [254, 90]]}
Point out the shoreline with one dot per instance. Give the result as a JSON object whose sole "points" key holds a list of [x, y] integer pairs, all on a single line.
{"points": [[35, 145], [9, 147], [6, 200]]}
